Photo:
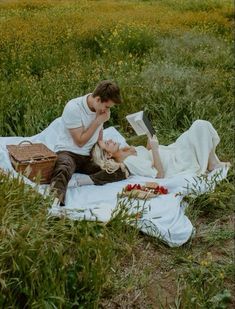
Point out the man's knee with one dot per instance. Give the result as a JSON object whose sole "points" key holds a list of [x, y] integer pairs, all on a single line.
{"points": [[64, 165]]}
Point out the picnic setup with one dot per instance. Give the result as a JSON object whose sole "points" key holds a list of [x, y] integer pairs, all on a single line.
{"points": [[165, 214], [117, 154]]}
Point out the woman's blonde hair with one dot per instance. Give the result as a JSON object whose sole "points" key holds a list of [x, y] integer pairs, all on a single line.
{"points": [[99, 156]]}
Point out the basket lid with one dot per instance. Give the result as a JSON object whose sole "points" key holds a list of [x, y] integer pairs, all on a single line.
{"points": [[27, 152]]}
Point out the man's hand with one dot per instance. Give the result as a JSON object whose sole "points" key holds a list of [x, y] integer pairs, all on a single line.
{"points": [[153, 141], [103, 117]]}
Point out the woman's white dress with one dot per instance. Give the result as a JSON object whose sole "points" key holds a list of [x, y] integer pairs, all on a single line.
{"points": [[189, 153]]}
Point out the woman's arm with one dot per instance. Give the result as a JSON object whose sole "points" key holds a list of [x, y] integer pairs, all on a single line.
{"points": [[156, 156]]}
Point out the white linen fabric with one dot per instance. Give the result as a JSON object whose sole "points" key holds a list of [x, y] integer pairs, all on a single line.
{"points": [[191, 150], [76, 114], [142, 163], [189, 153], [163, 216]]}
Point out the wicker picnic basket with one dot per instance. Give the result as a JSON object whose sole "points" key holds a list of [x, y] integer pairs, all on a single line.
{"points": [[33, 160]]}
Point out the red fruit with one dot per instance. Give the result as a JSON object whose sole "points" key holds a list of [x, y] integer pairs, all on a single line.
{"points": [[164, 190], [160, 190], [129, 187]]}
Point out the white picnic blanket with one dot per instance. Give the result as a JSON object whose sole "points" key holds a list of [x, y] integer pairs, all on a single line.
{"points": [[163, 216]]}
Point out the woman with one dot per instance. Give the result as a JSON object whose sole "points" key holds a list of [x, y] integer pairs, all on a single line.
{"points": [[193, 151]]}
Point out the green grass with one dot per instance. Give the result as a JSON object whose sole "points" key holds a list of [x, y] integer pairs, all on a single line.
{"points": [[51, 262], [173, 59]]}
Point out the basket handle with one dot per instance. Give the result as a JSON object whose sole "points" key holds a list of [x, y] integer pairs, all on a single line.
{"points": [[25, 142], [37, 157]]}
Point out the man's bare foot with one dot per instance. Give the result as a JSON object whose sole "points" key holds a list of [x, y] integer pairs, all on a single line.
{"points": [[212, 167]]}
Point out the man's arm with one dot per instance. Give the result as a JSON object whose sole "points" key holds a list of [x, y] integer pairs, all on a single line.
{"points": [[81, 136]]}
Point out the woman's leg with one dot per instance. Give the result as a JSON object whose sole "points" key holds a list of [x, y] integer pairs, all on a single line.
{"points": [[214, 162], [205, 139]]}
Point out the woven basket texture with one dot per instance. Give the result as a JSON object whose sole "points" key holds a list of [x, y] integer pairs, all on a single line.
{"points": [[35, 161]]}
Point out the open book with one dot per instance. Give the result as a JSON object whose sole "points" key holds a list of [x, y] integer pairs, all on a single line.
{"points": [[141, 124]]}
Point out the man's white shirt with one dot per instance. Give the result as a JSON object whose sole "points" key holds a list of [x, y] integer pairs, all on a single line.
{"points": [[76, 114]]}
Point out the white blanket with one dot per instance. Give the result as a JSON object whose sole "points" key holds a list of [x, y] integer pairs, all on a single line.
{"points": [[163, 216]]}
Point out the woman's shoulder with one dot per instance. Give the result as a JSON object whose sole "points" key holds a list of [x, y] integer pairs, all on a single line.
{"points": [[141, 154]]}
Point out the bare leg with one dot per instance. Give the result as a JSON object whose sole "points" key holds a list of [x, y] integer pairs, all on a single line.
{"points": [[214, 162]]}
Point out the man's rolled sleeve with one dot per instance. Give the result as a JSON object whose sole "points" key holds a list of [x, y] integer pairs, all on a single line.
{"points": [[72, 116]]}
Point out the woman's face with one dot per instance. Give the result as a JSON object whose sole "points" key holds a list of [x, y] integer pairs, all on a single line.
{"points": [[109, 146]]}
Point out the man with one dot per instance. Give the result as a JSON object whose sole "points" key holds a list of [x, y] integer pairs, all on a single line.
{"points": [[83, 120]]}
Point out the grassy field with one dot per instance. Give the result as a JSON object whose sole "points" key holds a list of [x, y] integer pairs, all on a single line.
{"points": [[171, 58]]}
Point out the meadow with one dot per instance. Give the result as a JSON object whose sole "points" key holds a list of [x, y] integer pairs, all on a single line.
{"points": [[173, 59]]}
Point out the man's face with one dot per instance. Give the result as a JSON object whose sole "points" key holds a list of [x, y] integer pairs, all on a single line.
{"points": [[102, 107]]}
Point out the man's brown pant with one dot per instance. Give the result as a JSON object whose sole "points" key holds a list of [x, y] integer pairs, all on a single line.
{"points": [[68, 163]]}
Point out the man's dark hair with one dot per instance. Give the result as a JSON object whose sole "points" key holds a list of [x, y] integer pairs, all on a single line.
{"points": [[107, 90]]}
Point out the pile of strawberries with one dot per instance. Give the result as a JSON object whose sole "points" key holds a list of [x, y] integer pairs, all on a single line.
{"points": [[157, 190], [130, 187]]}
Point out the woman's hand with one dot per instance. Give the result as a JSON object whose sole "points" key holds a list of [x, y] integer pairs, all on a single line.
{"points": [[153, 142], [133, 151]]}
